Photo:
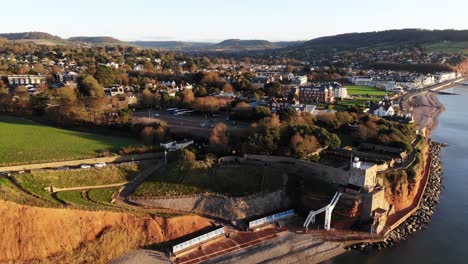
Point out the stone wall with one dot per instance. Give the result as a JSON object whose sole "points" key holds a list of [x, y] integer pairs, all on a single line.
{"points": [[323, 172]]}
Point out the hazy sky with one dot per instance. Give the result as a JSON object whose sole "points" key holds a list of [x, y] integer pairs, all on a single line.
{"points": [[214, 20]]}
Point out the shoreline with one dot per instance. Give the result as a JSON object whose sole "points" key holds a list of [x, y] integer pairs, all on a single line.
{"points": [[426, 107]]}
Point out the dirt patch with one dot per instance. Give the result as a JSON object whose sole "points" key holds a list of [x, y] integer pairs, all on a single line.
{"points": [[32, 234]]}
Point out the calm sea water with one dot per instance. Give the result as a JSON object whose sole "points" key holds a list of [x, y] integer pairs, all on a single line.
{"points": [[446, 239]]}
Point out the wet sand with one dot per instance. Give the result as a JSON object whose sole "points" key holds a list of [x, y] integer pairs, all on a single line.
{"points": [[426, 107], [426, 110]]}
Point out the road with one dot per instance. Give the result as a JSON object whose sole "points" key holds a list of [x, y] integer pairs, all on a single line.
{"points": [[195, 123]]}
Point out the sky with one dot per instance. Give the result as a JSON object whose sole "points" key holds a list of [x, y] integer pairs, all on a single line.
{"points": [[216, 20]]}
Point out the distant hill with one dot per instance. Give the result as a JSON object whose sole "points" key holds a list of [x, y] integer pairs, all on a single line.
{"points": [[172, 45], [238, 44], [29, 35], [383, 39], [96, 40]]}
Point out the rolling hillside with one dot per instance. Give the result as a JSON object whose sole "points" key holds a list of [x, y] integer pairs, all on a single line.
{"points": [[436, 39], [172, 45], [29, 35], [96, 40]]}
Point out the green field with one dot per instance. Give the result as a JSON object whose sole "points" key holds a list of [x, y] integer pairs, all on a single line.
{"points": [[450, 47], [23, 141], [357, 101], [366, 90], [36, 182], [231, 180], [74, 198], [103, 196]]}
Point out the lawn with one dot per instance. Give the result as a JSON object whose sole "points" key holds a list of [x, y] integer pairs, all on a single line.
{"points": [[366, 90], [23, 141], [74, 198], [103, 196], [36, 182], [230, 180], [357, 101]]}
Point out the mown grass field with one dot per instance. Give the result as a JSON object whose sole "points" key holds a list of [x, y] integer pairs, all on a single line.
{"points": [[23, 142], [230, 180], [357, 101], [74, 198], [103, 196], [366, 90], [36, 182]]}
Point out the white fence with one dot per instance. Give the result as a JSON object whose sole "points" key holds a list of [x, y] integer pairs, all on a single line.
{"points": [[271, 218], [198, 240]]}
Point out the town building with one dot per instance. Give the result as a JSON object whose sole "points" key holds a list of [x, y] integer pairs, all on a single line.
{"points": [[316, 94], [340, 92], [17, 80]]}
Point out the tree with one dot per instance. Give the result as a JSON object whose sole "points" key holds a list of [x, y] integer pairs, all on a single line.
{"points": [[22, 92], [148, 98], [304, 146], [105, 76], [188, 96], [206, 104], [260, 112], [66, 93], [274, 89], [227, 88], [90, 86], [219, 139], [39, 103]]}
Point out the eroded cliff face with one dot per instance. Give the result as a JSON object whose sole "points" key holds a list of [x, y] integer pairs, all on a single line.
{"points": [[401, 193], [32, 234]]}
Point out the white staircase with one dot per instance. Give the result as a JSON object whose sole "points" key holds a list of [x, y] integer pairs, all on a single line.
{"points": [[328, 212]]}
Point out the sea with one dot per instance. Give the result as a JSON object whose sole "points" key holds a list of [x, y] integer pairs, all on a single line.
{"points": [[446, 238]]}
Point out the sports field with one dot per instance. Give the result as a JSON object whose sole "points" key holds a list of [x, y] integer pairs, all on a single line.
{"points": [[23, 141], [366, 90]]}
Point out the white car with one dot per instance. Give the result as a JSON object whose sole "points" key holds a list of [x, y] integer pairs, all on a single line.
{"points": [[155, 115], [100, 165], [85, 166]]}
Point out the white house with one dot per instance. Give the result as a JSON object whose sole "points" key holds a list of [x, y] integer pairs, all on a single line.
{"points": [[340, 92], [384, 110], [300, 80]]}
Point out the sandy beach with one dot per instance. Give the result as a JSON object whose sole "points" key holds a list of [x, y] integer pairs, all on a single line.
{"points": [[426, 107]]}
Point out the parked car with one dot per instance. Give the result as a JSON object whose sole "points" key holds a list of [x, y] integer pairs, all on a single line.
{"points": [[100, 165], [85, 166], [155, 115], [63, 168], [5, 173], [202, 124]]}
